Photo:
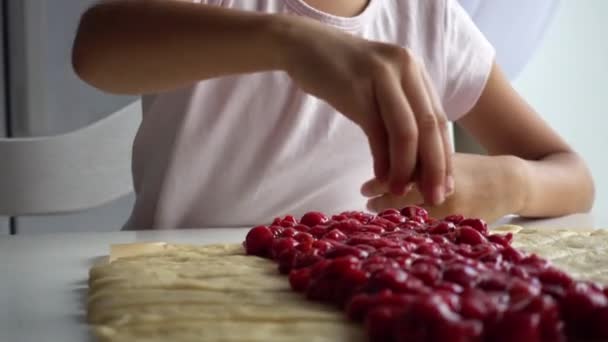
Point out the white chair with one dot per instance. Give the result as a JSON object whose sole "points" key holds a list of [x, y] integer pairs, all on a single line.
{"points": [[70, 172]]}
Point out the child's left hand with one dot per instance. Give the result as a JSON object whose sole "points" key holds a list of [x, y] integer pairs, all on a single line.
{"points": [[485, 187]]}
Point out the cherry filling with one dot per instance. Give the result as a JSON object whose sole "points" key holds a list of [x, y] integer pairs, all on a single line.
{"points": [[409, 277]]}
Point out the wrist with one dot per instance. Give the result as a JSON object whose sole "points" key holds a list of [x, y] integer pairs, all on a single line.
{"points": [[292, 37], [516, 182], [281, 33]]}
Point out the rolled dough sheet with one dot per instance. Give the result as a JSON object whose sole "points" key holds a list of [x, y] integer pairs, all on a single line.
{"points": [[166, 292]]}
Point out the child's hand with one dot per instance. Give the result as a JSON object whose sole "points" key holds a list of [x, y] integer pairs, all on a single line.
{"points": [[384, 90], [486, 187]]}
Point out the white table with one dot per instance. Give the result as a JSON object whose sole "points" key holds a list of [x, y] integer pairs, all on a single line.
{"points": [[43, 277]]}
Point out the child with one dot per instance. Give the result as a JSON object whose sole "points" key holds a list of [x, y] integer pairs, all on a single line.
{"points": [[259, 108]]}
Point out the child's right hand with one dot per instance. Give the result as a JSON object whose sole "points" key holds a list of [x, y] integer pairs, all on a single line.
{"points": [[384, 90]]}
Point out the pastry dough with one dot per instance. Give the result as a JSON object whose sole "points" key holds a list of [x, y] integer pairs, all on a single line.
{"points": [[165, 292]]}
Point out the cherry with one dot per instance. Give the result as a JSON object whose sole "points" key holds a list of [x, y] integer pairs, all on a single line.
{"points": [[308, 257], [276, 231], [347, 226], [322, 246], [380, 323], [282, 244], [318, 231], [349, 281], [502, 240], [430, 249], [301, 228], [580, 303], [304, 238], [371, 228], [470, 236], [336, 235], [362, 238], [258, 241], [313, 218], [493, 282], [520, 289], [339, 218], [392, 252], [319, 268], [343, 250], [393, 218], [299, 279], [392, 279], [456, 219], [511, 254], [477, 224], [428, 273], [449, 287], [382, 243], [517, 327], [442, 227], [413, 212], [385, 222], [304, 247], [289, 232], [440, 240], [361, 217], [343, 264], [534, 262], [418, 239], [358, 306], [288, 221], [287, 260], [390, 211], [519, 272], [457, 331], [554, 276], [367, 249], [433, 307], [319, 289], [476, 304], [601, 328], [462, 275]]}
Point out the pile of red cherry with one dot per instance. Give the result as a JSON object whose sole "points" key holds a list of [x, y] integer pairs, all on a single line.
{"points": [[411, 278]]}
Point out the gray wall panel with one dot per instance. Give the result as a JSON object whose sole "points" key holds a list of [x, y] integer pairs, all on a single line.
{"points": [[4, 228]]}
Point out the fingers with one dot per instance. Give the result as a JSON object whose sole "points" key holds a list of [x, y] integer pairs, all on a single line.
{"points": [[401, 129], [444, 129], [375, 187], [377, 137], [386, 201], [431, 154]]}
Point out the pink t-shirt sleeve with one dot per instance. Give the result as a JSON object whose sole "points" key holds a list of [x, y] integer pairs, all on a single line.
{"points": [[469, 57]]}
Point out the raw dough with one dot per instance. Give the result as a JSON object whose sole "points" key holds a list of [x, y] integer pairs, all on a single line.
{"points": [[164, 292]]}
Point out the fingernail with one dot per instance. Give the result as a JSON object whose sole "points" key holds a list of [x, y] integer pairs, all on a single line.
{"points": [[365, 191], [449, 184], [438, 195], [409, 188]]}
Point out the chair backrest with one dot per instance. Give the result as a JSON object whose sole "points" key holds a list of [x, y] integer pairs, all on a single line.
{"points": [[69, 172]]}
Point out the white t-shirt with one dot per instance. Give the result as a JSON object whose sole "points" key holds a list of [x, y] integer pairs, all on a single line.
{"points": [[240, 150]]}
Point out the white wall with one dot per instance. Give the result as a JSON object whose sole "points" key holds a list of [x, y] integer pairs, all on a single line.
{"points": [[567, 82]]}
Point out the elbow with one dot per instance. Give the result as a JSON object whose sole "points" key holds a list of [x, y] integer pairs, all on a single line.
{"points": [[84, 62], [92, 51], [587, 188], [591, 192], [86, 46]]}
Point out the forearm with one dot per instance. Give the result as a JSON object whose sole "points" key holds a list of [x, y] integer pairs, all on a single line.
{"points": [[148, 46], [556, 185]]}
